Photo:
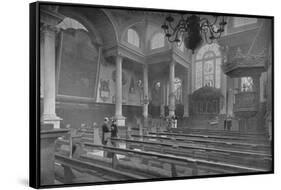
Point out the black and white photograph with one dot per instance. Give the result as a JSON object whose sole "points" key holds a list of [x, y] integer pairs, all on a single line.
{"points": [[122, 95]]}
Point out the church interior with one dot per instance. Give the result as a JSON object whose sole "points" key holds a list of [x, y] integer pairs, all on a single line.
{"points": [[180, 109]]}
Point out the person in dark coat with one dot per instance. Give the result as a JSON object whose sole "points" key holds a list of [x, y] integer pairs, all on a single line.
{"points": [[105, 131], [229, 123], [114, 129], [225, 124]]}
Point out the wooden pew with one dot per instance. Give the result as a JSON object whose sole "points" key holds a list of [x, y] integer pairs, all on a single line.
{"points": [[217, 132], [208, 143], [70, 164], [124, 164], [194, 164], [207, 136], [216, 154]]}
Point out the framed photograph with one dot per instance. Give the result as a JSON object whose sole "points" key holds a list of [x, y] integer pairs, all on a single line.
{"points": [[121, 95]]}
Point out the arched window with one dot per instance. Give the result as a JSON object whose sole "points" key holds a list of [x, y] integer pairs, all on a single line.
{"points": [[133, 37], [208, 66], [157, 41], [208, 70], [181, 44], [68, 23]]}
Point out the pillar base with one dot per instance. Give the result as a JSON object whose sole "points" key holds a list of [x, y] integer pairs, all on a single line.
{"points": [[47, 150], [162, 110], [120, 121], [186, 115], [51, 119]]}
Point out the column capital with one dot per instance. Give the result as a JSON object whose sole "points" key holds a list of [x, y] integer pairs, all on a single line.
{"points": [[46, 28], [173, 62], [49, 15], [119, 55], [119, 58]]}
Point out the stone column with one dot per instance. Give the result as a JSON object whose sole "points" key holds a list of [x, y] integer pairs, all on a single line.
{"points": [[49, 128], [118, 92], [172, 89], [224, 92], [193, 73], [145, 91], [49, 116], [163, 94], [145, 98], [186, 91]]}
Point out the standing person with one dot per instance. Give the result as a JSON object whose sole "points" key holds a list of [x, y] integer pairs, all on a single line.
{"points": [[94, 125], [114, 131], [229, 123], [170, 123], [224, 124], [175, 122], [105, 131]]}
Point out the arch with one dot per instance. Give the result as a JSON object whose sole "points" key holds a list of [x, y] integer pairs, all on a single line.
{"points": [[95, 37], [133, 37], [214, 47], [157, 41], [111, 18], [68, 23], [97, 21], [209, 55], [136, 26], [152, 30]]}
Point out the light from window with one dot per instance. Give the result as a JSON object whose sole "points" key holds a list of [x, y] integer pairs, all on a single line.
{"points": [[246, 84], [242, 21], [133, 38], [208, 70], [158, 41], [181, 44]]}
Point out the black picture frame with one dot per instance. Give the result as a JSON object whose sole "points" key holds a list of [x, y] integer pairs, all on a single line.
{"points": [[35, 131]]}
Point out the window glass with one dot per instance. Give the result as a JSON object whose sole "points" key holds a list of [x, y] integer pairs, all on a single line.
{"points": [[208, 66], [133, 38], [246, 84]]}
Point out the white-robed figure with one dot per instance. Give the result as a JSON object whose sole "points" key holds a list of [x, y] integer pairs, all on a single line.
{"points": [[175, 123]]}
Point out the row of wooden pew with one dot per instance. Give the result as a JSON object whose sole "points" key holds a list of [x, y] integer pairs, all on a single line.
{"points": [[245, 136], [161, 155]]}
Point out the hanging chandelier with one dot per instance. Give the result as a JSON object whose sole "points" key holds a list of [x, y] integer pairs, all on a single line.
{"points": [[192, 30]]}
